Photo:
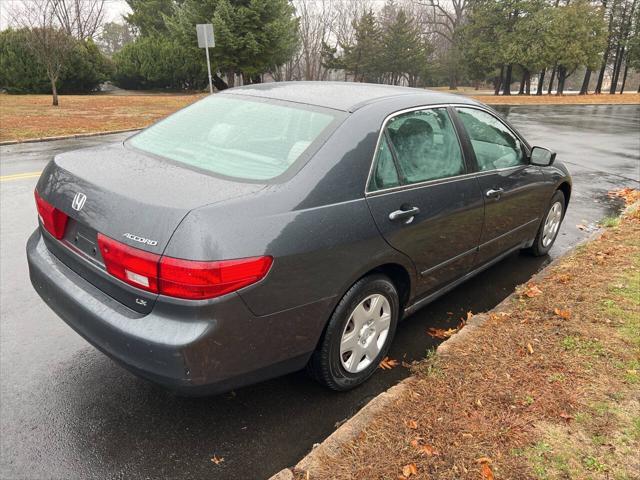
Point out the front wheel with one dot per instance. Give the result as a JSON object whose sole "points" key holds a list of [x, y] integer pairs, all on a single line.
{"points": [[549, 228], [358, 334]]}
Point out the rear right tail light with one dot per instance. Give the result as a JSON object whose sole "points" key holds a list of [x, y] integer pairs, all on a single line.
{"points": [[174, 277]]}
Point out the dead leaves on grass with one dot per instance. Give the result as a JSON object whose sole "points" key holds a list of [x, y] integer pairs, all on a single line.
{"points": [[425, 449], [629, 195], [485, 468], [564, 314], [531, 290], [408, 471], [388, 363], [441, 332]]}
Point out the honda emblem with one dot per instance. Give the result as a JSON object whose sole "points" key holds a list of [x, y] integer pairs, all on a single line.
{"points": [[78, 201]]}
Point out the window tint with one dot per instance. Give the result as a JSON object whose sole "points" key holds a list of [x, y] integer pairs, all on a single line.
{"points": [[493, 143], [236, 137], [426, 145], [385, 174]]}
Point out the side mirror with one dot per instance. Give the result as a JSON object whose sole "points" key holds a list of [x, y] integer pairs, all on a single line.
{"points": [[542, 157]]}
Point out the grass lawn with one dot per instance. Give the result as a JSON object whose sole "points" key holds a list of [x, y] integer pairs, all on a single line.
{"points": [[24, 117], [548, 387]]}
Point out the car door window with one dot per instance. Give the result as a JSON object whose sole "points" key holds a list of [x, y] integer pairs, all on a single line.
{"points": [[426, 145], [385, 174], [493, 143]]}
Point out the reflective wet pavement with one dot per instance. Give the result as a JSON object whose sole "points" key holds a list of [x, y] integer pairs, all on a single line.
{"points": [[69, 412]]}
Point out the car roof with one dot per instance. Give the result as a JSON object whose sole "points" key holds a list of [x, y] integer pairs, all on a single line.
{"points": [[345, 96]]}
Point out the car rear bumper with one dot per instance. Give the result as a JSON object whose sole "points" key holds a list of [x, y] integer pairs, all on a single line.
{"points": [[194, 347]]}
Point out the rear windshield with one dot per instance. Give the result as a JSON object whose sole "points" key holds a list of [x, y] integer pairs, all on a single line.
{"points": [[237, 137]]}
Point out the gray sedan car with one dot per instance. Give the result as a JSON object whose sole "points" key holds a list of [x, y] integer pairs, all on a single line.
{"points": [[277, 226]]}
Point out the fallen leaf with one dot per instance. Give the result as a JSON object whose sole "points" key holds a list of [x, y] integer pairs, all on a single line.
{"points": [[530, 348], [630, 195], [388, 363], [428, 450], [565, 314], [566, 416], [412, 424], [441, 333], [217, 460], [532, 290], [581, 227], [469, 315], [483, 460], [486, 472], [409, 470]]}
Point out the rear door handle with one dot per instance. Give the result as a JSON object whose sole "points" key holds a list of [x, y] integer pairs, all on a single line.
{"points": [[404, 214], [494, 193]]}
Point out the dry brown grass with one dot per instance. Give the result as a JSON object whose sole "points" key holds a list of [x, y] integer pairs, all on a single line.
{"points": [[547, 387], [24, 117], [627, 98]]}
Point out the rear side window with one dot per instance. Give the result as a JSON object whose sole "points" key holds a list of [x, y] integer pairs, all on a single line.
{"points": [[493, 143], [385, 174], [426, 145], [237, 137]]}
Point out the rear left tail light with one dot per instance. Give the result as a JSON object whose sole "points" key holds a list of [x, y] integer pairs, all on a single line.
{"points": [[179, 278], [54, 221]]}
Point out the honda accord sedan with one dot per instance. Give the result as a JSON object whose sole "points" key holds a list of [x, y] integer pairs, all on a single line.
{"points": [[279, 226]]}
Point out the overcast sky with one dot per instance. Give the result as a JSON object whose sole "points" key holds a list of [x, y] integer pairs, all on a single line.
{"points": [[114, 10]]}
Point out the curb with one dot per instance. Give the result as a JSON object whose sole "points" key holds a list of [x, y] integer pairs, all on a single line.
{"points": [[350, 430], [67, 137]]}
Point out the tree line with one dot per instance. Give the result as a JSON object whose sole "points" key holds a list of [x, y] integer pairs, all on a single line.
{"points": [[65, 45]]}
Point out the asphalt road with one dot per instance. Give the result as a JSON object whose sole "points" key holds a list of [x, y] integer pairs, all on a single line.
{"points": [[69, 412]]}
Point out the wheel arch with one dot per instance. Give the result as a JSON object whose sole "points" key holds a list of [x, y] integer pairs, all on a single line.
{"points": [[565, 188]]}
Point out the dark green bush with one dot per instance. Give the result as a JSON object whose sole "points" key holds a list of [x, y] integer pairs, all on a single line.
{"points": [[21, 72], [156, 62]]}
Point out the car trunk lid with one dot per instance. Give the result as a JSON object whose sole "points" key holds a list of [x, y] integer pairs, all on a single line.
{"points": [[134, 198]]}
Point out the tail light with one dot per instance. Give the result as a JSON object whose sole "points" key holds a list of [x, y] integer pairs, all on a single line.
{"points": [[54, 221], [175, 277]]}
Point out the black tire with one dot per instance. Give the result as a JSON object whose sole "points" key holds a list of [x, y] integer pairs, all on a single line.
{"points": [[325, 365], [538, 248]]}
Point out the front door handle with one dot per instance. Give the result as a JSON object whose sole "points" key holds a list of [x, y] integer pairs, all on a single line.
{"points": [[494, 193], [407, 214]]}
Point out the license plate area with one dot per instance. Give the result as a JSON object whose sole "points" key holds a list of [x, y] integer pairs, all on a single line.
{"points": [[83, 240]]}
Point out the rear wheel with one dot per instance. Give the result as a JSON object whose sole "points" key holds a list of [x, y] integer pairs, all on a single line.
{"points": [[549, 228], [358, 335]]}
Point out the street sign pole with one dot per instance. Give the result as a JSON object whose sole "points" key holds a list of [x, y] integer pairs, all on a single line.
{"points": [[208, 63], [206, 40]]}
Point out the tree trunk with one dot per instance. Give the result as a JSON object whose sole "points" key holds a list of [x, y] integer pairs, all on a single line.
{"points": [[624, 75], [562, 76], [584, 90], [616, 70], [231, 78], [553, 77], [54, 92], [541, 81], [497, 82], [603, 68], [219, 83], [527, 87], [506, 89], [523, 81]]}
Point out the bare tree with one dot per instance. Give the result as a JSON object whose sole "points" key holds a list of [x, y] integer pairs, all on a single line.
{"points": [[80, 18], [50, 44], [444, 18], [316, 19]]}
